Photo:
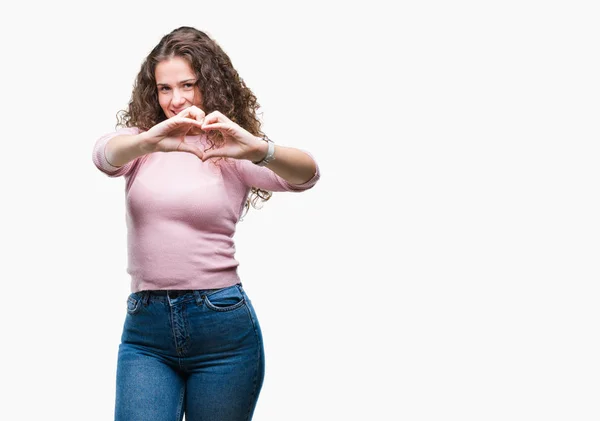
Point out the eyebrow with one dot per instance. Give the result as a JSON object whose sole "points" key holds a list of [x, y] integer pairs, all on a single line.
{"points": [[181, 83]]}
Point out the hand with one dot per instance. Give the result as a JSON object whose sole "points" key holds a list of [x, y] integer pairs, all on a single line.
{"points": [[238, 142], [169, 135]]}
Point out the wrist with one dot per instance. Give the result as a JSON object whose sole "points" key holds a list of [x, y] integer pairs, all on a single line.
{"points": [[260, 151], [142, 143], [265, 152]]}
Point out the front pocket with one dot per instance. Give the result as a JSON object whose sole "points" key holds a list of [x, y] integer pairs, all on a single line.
{"points": [[226, 299], [133, 303]]}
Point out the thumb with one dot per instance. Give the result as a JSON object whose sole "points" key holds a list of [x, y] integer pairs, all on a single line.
{"points": [[190, 148], [208, 155]]}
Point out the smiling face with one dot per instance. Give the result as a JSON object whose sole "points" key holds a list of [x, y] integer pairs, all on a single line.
{"points": [[176, 86]]}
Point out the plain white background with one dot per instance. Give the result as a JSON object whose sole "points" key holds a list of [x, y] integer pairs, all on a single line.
{"points": [[444, 268]]}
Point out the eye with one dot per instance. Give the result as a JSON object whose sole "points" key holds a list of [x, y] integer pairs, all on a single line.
{"points": [[188, 85], [163, 88]]}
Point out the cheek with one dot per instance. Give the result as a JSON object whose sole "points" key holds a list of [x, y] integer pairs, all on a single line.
{"points": [[164, 101], [197, 98]]}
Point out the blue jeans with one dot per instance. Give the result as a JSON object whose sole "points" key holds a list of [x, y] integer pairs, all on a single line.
{"points": [[199, 353]]}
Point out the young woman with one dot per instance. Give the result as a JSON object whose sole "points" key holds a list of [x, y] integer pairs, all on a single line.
{"points": [[194, 158]]}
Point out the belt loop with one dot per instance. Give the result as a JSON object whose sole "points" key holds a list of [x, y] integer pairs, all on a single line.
{"points": [[240, 287], [198, 297], [145, 297]]}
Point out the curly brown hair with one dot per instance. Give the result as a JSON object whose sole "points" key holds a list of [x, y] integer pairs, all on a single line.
{"points": [[221, 86]]}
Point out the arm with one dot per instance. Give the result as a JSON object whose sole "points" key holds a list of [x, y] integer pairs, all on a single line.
{"points": [[166, 136], [124, 148], [99, 153], [291, 164]]}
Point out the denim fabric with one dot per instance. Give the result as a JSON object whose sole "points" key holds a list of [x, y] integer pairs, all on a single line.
{"points": [[200, 353]]}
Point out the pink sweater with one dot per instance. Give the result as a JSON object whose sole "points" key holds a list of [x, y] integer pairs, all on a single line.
{"points": [[181, 214]]}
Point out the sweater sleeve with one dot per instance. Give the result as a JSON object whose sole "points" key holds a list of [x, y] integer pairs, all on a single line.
{"points": [[263, 178], [99, 153]]}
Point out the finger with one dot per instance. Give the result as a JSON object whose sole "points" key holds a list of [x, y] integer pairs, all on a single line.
{"points": [[215, 126], [183, 113], [216, 116], [211, 118], [216, 153], [197, 113], [210, 154], [190, 148], [221, 116], [186, 120], [196, 109], [193, 112]]}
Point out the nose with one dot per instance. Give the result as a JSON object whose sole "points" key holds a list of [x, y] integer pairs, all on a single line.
{"points": [[178, 98]]}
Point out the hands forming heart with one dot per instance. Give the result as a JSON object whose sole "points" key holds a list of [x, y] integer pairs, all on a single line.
{"points": [[169, 136]]}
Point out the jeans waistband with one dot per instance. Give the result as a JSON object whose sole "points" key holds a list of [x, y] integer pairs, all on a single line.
{"points": [[174, 293], [170, 292]]}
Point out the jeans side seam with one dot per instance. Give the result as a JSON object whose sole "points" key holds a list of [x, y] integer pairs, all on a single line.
{"points": [[256, 368]]}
